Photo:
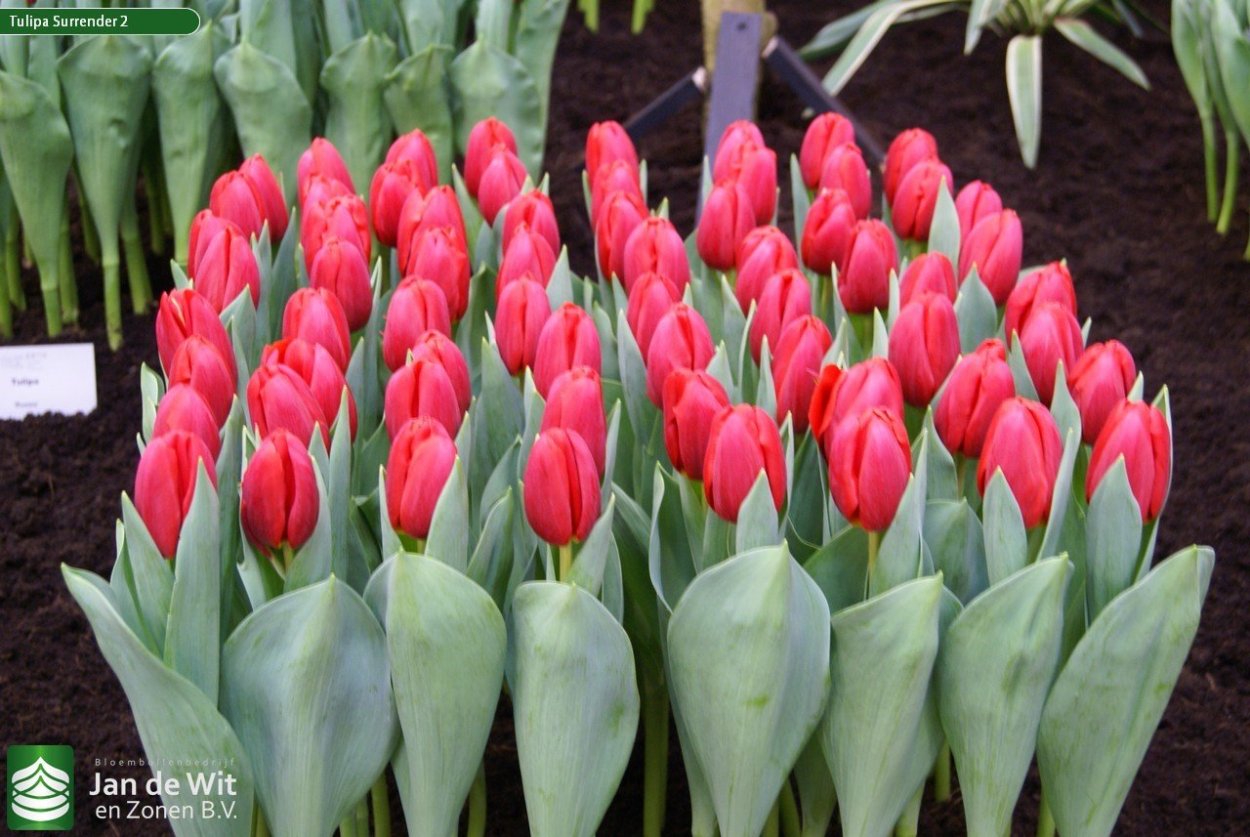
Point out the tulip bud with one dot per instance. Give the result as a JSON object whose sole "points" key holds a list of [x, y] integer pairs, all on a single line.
{"points": [[528, 254], [727, 218], [315, 366], [737, 133], [742, 442], [928, 273], [321, 190], [183, 408], [995, 247], [869, 465], [620, 214], [421, 387], [321, 159], [828, 231], [561, 487], [786, 297], [681, 341], [924, 345], [487, 136], [345, 217], [421, 460], [415, 147], [1023, 442], [340, 268], [978, 384], [234, 199], [532, 209], [272, 202], [606, 143], [844, 168], [1101, 378], [441, 256], [185, 312], [279, 399], [393, 184], [575, 402], [441, 349], [841, 395], [165, 485], [1138, 432], [864, 274], [1052, 283], [754, 167], [227, 267], [204, 228], [278, 500], [650, 300], [417, 306], [908, 148], [569, 338], [615, 177], [763, 252], [655, 246], [316, 315], [974, 202], [1051, 334], [199, 364], [520, 314], [800, 351], [437, 208], [825, 133], [692, 399], [502, 180], [914, 202]]}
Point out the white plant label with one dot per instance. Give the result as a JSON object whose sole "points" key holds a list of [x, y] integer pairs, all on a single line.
{"points": [[49, 378]]}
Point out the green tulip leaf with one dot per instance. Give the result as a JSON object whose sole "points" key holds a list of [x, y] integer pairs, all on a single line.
{"points": [[638, 408], [1059, 495], [1024, 91], [802, 201], [749, 647], [817, 797], [944, 231], [448, 539], [1113, 532], [193, 634], [489, 82], [575, 703], [1110, 695], [177, 723], [354, 79], [976, 312], [314, 560], [902, 546], [307, 686], [416, 96], [447, 645], [995, 666], [757, 518], [840, 568], [1006, 541], [153, 581], [953, 534]]}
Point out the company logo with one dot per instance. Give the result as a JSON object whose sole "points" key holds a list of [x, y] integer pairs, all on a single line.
{"points": [[40, 795]]}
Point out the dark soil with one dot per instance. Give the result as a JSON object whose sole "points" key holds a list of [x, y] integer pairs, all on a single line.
{"points": [[1117, 191]]}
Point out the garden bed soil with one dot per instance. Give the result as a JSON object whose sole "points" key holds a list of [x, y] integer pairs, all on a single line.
{"points": [[1117, 191]]}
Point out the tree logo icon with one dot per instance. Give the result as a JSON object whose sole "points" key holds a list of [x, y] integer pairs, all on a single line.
{"points": [[40, 795]]}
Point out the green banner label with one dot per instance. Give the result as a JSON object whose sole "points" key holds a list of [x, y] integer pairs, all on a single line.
{"points": [[98, 21], [40, 787]]}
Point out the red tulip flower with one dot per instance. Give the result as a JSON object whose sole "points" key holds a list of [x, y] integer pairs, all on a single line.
{"points": [[1100, 380], [786, 297], [978, 384], [227, 267], [827, 235], [994, 247], [754, 167], [440, 256], [393, 183], [800, 351], [185, 312], [324, 378], [681, 341], [824, 133], [974, 202], [928, 273], [1023, 442], [655, 246], [183, 408], [864, 273], [421, 387], [316, 315], [569, 338], [421, 460], [321, 159], [844, 168], [235, 199], [1051, 334], [438, 347], [204, 228], [1139, 433], [728, 149], [417, 306], [502, 180], [415, 148], [618, 216], [742, 442], [1052, 283], [437, 208], [615, 177], [869, 466], [278, 500], [911, 210], [278, 398], [844, 394], [340, 268], [906, 150], [520, 314], [727, 218], [691, 400], [320, 191], [561, 487], [484, 139], [653, 295], [764, 251], [346, 217], [575, 402], [532, 209], [607, 143], [165, 485], [199, 364], [924, 345]]}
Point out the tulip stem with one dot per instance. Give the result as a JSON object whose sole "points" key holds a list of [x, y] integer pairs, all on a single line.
{"points": [[13, 259], [1045, 820], [347, 828], [908, 824], [6, 308], [136, 261], [477, 804], [874, 545], [1231, 169], [566, 561], [791, 825], [655, 760], [771, 824], [259, 829], [1209, 160], [961, 472], [362, 818], [1246, 254], [942, 774], [381, 799], [68, 285]]}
